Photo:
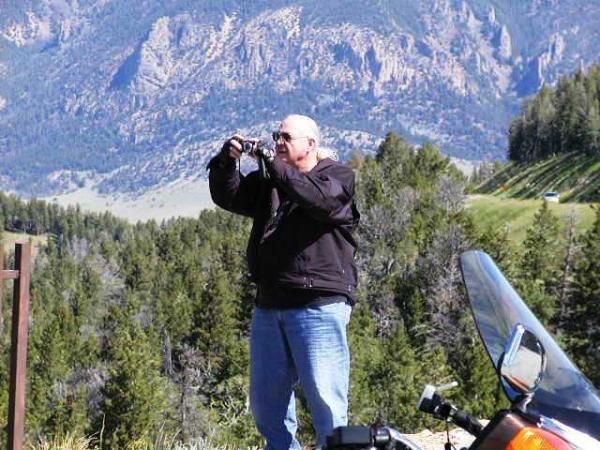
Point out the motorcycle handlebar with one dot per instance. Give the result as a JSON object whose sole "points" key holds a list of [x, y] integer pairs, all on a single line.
{"points": [[375, 437], [466, 422], [433, 403]]}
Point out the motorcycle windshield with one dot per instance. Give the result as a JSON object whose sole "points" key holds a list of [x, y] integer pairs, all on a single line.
{"points": [[564, 393]]}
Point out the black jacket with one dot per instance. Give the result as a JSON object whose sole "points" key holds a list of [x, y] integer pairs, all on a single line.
{"points": [[303, 222]]}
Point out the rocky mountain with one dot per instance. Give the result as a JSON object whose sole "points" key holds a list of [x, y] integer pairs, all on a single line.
{"points": [[128, 95]]}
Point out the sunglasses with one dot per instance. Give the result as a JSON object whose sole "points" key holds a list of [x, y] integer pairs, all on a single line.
{"points": [[287, 137]]}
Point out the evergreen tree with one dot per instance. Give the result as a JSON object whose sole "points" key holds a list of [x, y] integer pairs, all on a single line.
{"points": [[571, 106], [539, 264], [429, 165], [434, 369], [495, 242], [370, 184], [545, 142], [565, 280], [174, 315], [366, 353], [135, 393], [583, 326], [591, 139], [566, 119], [395, 383], [480, 391], [216, 322], [516, 138], [49, 369], [394, 158]]}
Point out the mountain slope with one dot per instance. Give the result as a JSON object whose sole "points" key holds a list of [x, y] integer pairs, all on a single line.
{"points": [[138, 94], [575, 177]]}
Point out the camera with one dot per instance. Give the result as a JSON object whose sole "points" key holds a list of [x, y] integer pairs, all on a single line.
{"points": [[256, 147], [250, 146]]}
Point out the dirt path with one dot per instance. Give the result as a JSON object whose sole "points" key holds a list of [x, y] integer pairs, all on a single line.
{"points": [[435, 441]]}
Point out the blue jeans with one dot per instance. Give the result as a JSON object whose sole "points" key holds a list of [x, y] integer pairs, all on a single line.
{"points": [[306, 345]]}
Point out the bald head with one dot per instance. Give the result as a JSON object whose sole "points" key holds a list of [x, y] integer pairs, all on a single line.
{"points": [[298, 143], [305, 125]]}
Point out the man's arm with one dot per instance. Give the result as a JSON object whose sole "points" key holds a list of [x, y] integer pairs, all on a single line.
{"points": [[327, 195], [228, 188]]}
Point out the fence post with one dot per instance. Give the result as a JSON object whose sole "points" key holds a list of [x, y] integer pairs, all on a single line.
{"points": [[18, 354]]}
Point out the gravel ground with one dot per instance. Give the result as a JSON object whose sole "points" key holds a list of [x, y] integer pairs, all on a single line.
{"points": [[435, 441]]}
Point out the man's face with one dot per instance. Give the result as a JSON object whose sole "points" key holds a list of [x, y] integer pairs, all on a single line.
{"points": [[294, 147]]}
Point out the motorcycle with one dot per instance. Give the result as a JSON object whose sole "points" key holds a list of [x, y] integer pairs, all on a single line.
{"points": [[553, 405]]}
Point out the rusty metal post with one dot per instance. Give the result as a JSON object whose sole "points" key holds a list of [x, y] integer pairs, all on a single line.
{"points": [[20, 316]]}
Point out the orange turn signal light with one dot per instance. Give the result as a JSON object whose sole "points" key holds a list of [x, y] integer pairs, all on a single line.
{"points": [[537, 439]]}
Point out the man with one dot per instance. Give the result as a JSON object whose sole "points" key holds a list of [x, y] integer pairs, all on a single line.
{"points": [[301, 255]]}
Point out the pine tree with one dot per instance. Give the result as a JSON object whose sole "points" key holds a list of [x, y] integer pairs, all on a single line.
{"points": [[592, 129], [539, 264], [480, 391], [48, 361], [566, 119], [366, 353], [393, 152], [135, 393], [429, 165], [496, 243], [565, 280], [584, 307], [545, 123], [394, 383], [370, 184], [216, 321], [571, 105], [516, 139], [434, 369]]}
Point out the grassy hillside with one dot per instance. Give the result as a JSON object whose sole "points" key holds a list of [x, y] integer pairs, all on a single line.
{"points": [[517, 215], [575, 176]]}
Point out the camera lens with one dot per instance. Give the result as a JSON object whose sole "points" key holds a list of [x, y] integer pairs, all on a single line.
{"points": [[247, 147]]}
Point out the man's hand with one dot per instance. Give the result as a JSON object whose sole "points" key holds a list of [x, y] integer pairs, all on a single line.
{"points": [[232, 148]]}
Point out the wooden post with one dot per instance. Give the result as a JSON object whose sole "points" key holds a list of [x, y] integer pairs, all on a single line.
{"points": [[18, 357]]}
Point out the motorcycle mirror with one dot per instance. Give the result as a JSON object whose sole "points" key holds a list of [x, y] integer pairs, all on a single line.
{"points": [[522, 364]]}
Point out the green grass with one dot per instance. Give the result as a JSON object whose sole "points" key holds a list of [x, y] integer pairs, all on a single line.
{"points": [[68, 442], [72, 442], [575, 176], [517, 215]]}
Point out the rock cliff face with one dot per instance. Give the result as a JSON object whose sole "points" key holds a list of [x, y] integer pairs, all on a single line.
{"points": [[140, 93]]}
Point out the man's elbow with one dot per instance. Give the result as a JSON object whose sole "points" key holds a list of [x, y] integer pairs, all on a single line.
{"points": [[219, 199], [335, 213]]}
